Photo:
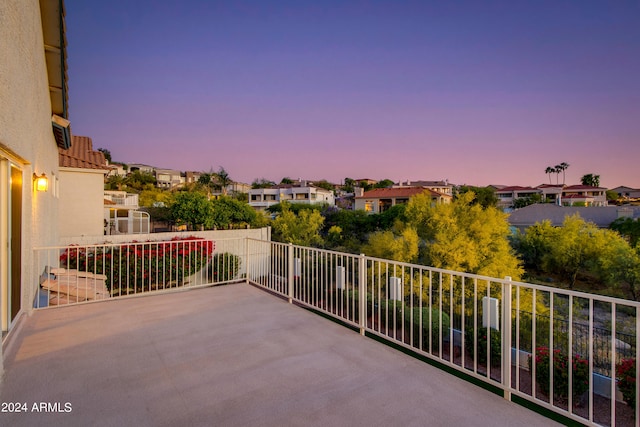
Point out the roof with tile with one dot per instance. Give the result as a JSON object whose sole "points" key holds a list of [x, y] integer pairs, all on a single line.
{"points": [[81, 155], [384, 193]]}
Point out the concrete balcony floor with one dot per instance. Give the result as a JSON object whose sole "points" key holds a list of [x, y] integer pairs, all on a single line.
{"points": [[227, 356]]}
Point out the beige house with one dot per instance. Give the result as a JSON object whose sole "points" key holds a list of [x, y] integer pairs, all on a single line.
{"points": [[381, 199], [442, 187], [33, 125], [82, 172], [261, 198]]}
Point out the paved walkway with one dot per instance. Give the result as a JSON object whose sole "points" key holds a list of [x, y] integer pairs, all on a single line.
{"points": [[227, 356]]}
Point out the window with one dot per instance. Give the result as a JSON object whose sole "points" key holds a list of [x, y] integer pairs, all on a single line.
{"points": [[368, 206]]}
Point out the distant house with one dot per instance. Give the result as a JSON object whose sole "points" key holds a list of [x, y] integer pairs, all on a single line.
{"points": [[551, 193], [191, 177], [442, 187], [584, 195], [81, 186], [133, 167], [601, 216], [627, 193], [262, 198], [382, 199], [168, 178], [566, 195], [508, 195], [238, 187]]}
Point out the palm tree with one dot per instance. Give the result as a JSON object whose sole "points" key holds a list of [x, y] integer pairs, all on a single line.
{"points": [[549, 170], [223, 180], [563, 167], [557, 169]]}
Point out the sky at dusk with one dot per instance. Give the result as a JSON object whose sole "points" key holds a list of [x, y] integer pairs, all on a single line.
{"points": [[474, 92]]}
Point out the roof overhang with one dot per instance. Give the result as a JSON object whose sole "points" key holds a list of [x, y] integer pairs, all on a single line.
{"points": [[55, 49], [52, 14]]}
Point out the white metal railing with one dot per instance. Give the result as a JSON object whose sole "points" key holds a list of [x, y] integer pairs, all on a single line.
{"points": [[504, 333], [78, 274], [122, 198], [518, 337]]}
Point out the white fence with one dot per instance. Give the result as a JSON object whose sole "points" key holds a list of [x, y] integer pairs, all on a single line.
{"points": [[506, 334], [78, 274]]}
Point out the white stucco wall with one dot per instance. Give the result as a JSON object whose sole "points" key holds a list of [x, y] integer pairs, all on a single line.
{"points": [[81, 210], [26, 136]]}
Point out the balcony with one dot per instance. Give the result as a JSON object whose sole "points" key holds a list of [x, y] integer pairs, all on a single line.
{"points": [[239, 354], [122, 199]]}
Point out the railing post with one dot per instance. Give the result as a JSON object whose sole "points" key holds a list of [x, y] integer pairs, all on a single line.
{"points": [[290, 271], [506, 337], [246, 260], [362, 293]]}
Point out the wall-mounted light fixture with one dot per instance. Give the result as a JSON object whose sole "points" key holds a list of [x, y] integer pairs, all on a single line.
{"points": [[40, 183]]}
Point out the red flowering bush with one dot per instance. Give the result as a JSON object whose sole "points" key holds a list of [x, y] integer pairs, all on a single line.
{"points": [[580, 372], [626, 374], [138, 267]]}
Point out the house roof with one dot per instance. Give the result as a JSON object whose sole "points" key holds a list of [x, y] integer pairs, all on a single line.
{"points": [[582, 187], [383, 193], [601, 216], [425, 184], [515, 188], [550, 186], [81, 155]]}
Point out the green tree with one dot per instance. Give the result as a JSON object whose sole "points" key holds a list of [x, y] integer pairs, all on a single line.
{"points": [[349, 185], [139, 181], [629, 228], [484, 196], [526, 201], [154, 196], [385, 183], [302, 229], [464, 237], [534, 243], [192, 208], [262, 183], [325, 185], [620, 265], [549, 170], [286, 180], [229, 212], [575, 247], [223, 180], [401, 247], [114, 182], [562, 167], [106, 153], [591, 180]]}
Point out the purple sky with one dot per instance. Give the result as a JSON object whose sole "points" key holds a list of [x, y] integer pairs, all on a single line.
{"points": [[474, 92]]}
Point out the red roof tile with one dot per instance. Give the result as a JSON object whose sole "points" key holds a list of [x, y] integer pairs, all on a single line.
{"points": [[81, 155], [515, 188], [379, 193]]}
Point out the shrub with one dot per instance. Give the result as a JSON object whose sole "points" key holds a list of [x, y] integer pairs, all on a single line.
{"points": [[579, 366], [138, 267], [390, 312], [413, 316], [495, 344], [626, 374], [351, 305], [224, 266]]}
